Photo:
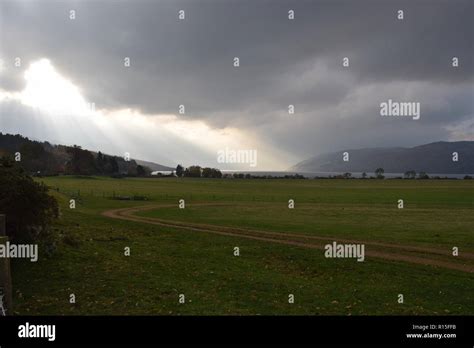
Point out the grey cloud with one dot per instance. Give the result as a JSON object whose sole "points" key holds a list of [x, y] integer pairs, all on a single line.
{"points": [[282, 62]]}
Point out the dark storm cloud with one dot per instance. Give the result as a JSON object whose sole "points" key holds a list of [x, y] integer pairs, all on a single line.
{"points": [[282, 62]]}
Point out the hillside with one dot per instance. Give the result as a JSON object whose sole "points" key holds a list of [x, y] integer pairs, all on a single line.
{"points": [[47, 159], [430, 158]]}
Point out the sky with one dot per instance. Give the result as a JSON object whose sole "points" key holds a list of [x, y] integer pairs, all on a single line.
{"points": [[64, 80]]}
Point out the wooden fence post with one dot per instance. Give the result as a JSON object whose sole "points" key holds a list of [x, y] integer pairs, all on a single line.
{"points": [[3, 231], [5, 276]]}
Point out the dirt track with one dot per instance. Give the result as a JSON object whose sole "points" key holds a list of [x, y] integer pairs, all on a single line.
{"points": [[388, 251]]}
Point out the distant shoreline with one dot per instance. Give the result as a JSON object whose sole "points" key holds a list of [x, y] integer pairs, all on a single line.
{"points": [[332, 174]]}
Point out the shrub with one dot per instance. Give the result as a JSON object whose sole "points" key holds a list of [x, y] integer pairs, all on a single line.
{"points": [[26, 203]]}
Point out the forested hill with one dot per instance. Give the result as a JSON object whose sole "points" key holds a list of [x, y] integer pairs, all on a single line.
{"points": [[47, 159]]}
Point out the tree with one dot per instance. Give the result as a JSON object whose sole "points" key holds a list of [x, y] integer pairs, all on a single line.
{"points": [[211, 173], [26, 203], [100, 162], [34, 158], [82, 162], [423, 175], [410, 174], [179, 171], [364, 175], [216, 173], [131, 168], [114, 167], [193, 172], [143, 171], [207, 172], [379, 173]]}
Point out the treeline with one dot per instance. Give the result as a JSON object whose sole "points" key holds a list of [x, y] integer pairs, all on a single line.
{"points": [[84, 162], [379, 174], [32, 156], [42, 158], [252, 176], [198, 172]]}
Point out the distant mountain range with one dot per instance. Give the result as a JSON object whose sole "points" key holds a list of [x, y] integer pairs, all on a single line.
{"points": [[433, 158]]}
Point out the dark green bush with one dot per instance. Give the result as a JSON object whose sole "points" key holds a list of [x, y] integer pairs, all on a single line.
{"points": [[26, 203]]}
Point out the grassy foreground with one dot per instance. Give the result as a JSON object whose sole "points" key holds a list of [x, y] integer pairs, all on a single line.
{"points": [[166, 262]]}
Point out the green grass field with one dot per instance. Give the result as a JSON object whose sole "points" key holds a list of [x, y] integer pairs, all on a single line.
{"points": [[168, 261]]}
